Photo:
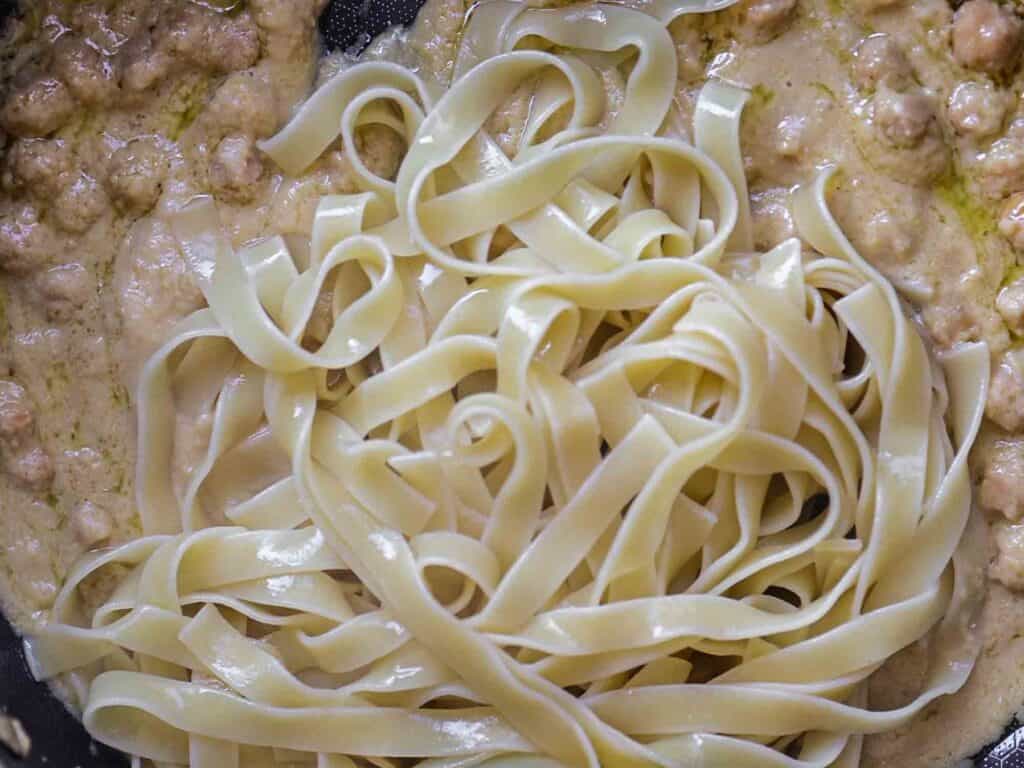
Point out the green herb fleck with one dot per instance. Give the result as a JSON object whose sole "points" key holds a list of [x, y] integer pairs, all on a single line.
{"points": [[818, 85], [185, 104], [976, 218], [761, 96], [120, 486], [119, 395], [1013, 274]]}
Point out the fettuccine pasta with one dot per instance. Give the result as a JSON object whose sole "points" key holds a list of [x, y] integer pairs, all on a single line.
{"points": [[573, 477]]}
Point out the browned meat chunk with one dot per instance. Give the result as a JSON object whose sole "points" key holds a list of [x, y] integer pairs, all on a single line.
{"points": [[986, 36], [245, 104], [769, 17], [137, 172], [144, 63], [15, 410], [40, 166], [212, 41], [1008, 566], [977, 109], [1005, 404], [1011, 222], [64, 289], [89, 75], [879, 60], [79, 204], [903, 118], [285, 14], [91, 523], [38, 108], [1002, 489], [236, 169], [1010, 304], [26, 243], [33, 468], [1001, 170]]}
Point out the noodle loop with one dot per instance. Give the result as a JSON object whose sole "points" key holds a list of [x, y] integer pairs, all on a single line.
{"points": [[574, 477]]}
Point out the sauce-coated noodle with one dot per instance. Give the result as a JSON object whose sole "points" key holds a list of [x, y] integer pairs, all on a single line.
{"points": [[575, 478]]}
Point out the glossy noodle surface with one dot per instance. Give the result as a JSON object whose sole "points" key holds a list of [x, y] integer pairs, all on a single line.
{"points": [[573, 476]]}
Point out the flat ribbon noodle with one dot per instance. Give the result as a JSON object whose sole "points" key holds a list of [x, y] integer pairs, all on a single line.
{"points": [[565, 441]]}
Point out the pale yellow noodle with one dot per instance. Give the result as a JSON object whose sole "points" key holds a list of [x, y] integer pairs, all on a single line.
{"points": [[575, 478]]}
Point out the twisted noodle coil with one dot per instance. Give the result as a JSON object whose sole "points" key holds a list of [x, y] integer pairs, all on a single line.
{"points": [[574, 478]]}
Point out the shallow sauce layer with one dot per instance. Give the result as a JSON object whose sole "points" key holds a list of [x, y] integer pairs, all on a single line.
{"points": [[118, 112]]}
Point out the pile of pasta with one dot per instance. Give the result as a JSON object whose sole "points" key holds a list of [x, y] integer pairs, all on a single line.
{"points": [[572, 476]]}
